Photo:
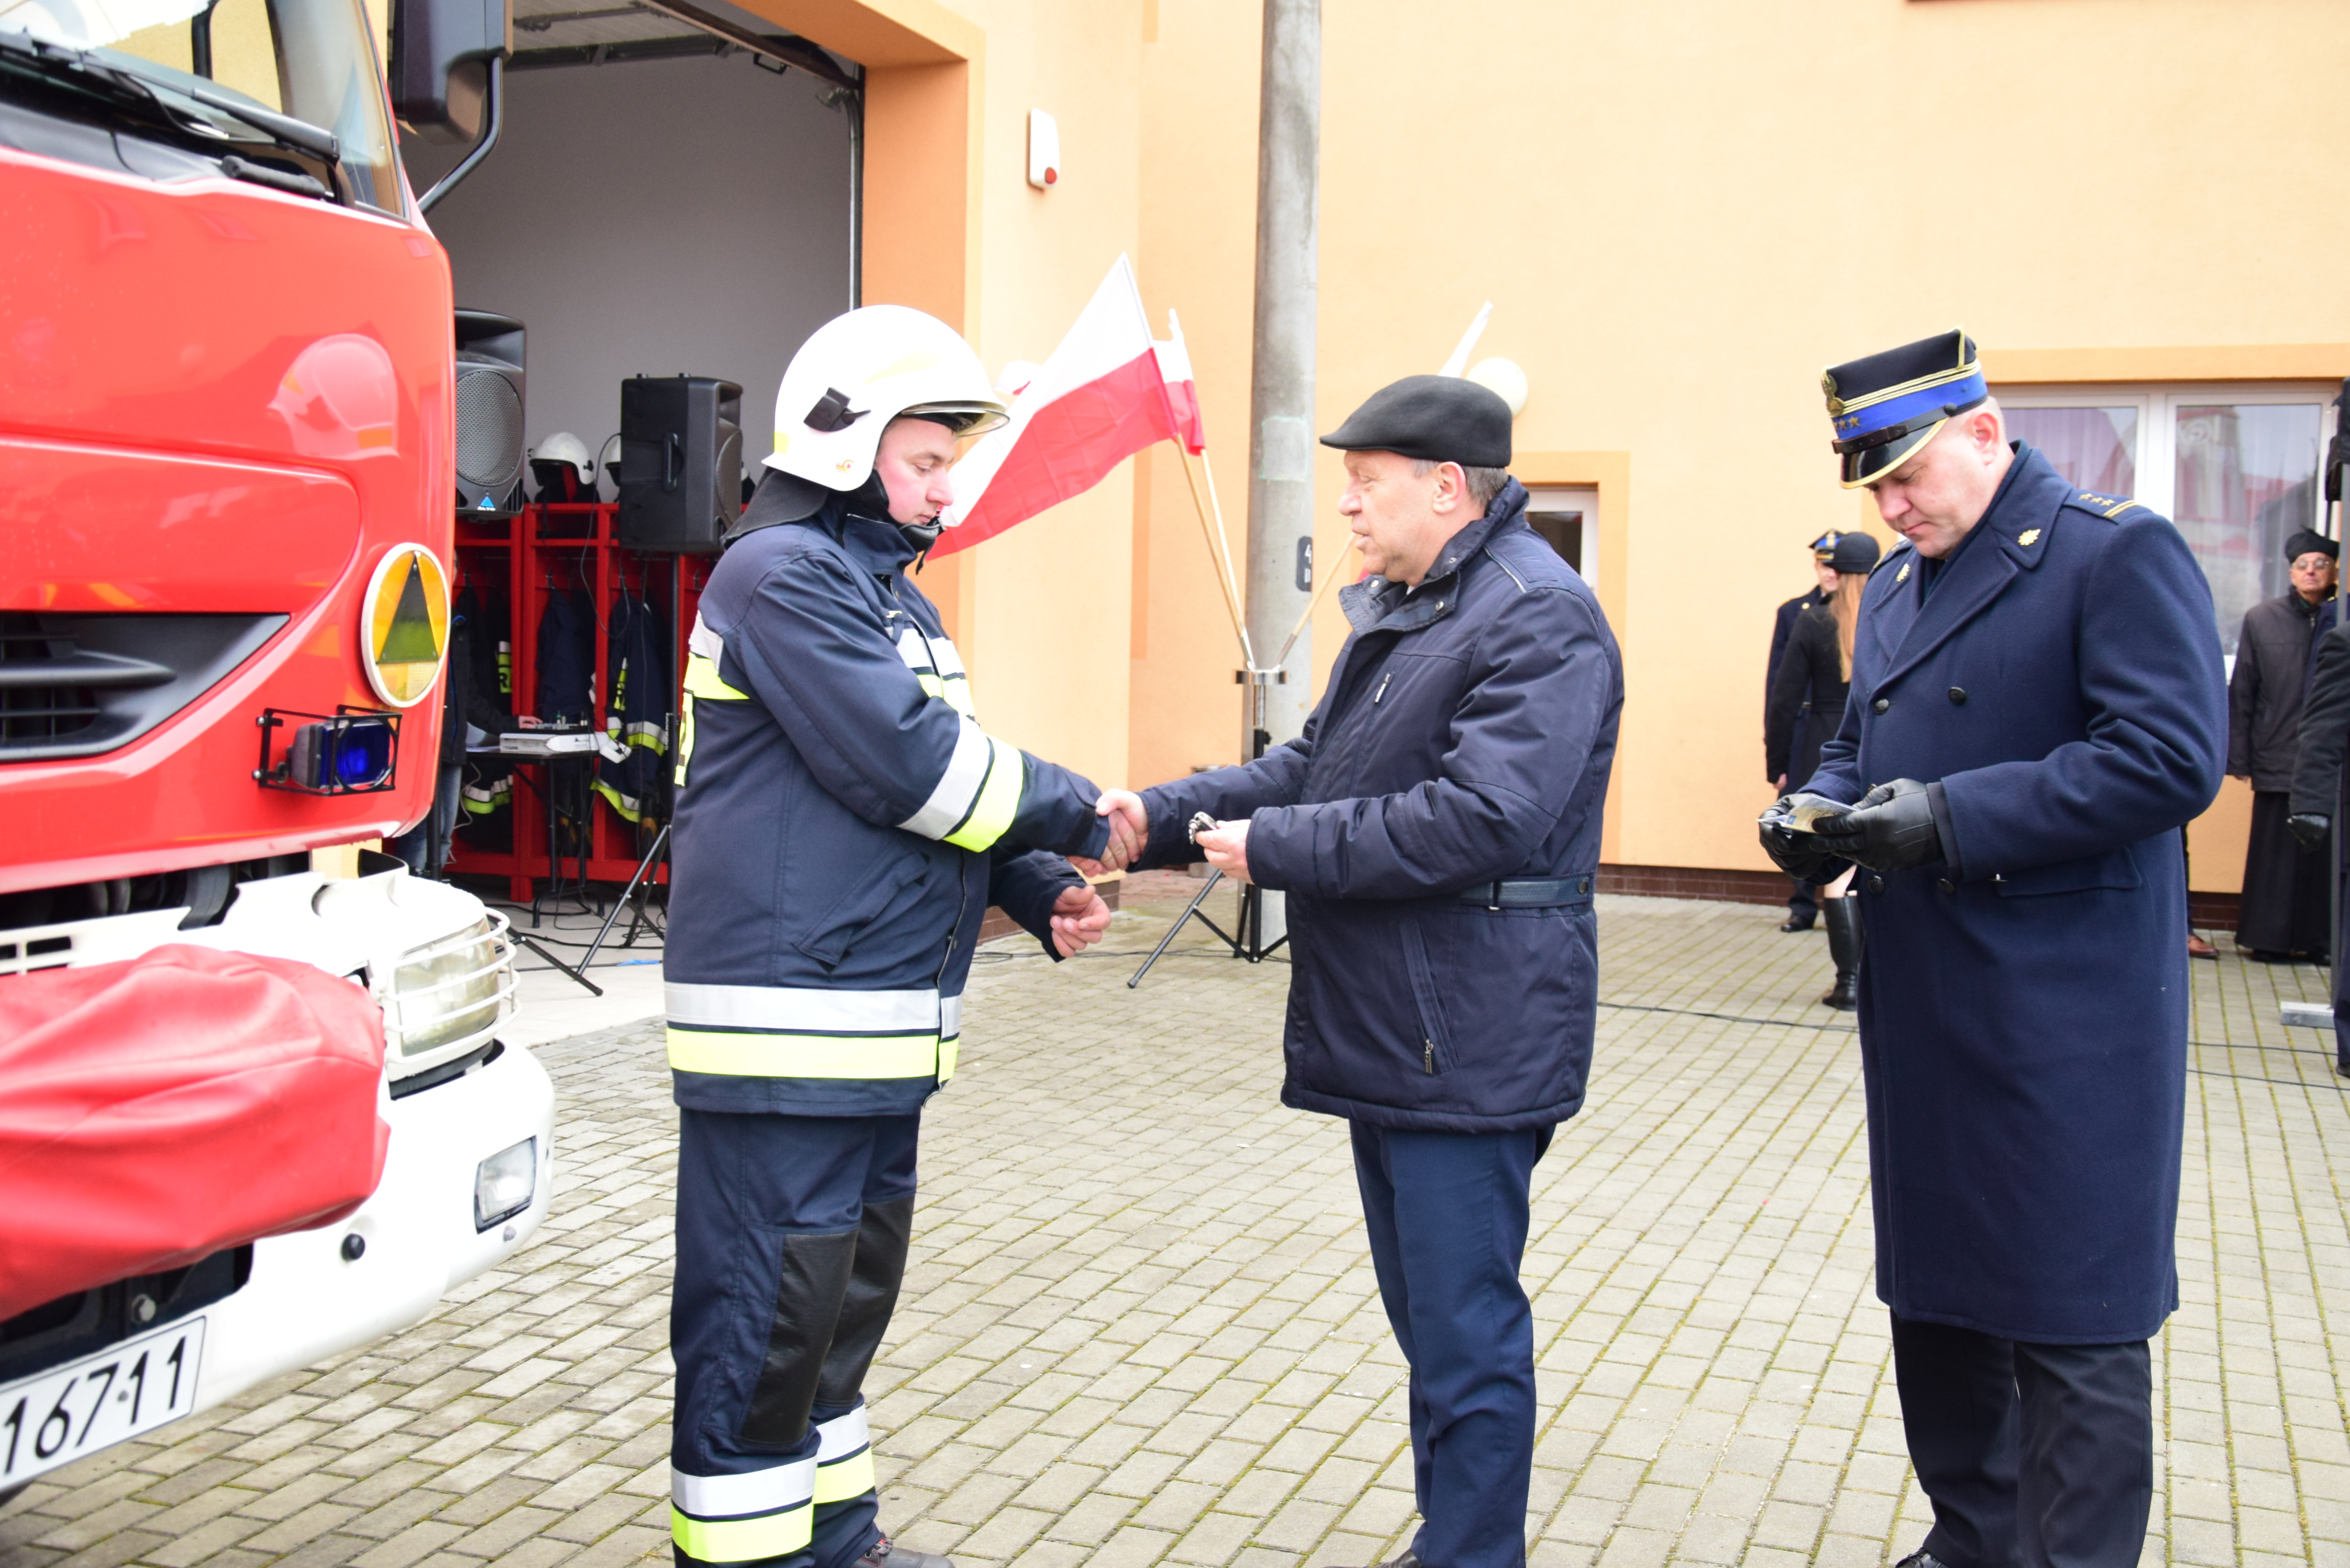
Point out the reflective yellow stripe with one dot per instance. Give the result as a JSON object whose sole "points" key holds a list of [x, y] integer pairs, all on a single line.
{"points": [[999, 802], [684, 742], [755, 1055], [844, 1479], [741, 1540], [702, 680], [955, 690], [947, 1051]]}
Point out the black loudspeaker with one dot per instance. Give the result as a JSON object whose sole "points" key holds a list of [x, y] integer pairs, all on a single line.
{"points": [[680, 477], [489, 415]]}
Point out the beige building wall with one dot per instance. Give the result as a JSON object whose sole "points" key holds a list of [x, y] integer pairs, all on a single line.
{"points": [[1682, 210]]}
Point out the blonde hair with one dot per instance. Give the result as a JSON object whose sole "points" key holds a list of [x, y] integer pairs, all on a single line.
{"points": [[1845, 605]]}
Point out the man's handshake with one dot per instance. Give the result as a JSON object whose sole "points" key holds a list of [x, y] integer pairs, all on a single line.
{"points": [[1223, 845], [1130, 830]]}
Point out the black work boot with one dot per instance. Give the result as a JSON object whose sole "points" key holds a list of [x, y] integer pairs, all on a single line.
{"points": [[1841, 917]]}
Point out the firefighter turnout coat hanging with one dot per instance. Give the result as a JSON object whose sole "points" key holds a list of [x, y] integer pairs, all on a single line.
{"points": [[843, 823]]}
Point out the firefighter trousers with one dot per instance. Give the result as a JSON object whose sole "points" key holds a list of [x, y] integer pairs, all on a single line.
{"points": [[790, 1242]]}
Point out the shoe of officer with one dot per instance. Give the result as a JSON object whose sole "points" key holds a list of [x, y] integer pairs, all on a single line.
{"points": [[1921, 1559], [1843, 918], [885, 1553], [1796, 923], [1406, 1560]]}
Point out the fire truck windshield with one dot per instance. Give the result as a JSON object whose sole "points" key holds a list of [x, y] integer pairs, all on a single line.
{"points": [[311, 60]]}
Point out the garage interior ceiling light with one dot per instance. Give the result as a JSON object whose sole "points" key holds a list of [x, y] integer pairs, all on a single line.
{"points": [[568, 33]]}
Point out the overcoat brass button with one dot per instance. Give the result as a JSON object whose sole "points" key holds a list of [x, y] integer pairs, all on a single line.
{"points": [[1876, 884], [1946, 885], [1882, 704], [1958, 694]]}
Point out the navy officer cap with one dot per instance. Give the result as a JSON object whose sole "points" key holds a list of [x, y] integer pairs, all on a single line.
{"points": [[1888, 406], [1437, 418]]}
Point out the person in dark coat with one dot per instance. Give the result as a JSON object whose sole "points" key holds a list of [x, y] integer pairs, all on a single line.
{"points": [[1435, 830], [1807, 710], [1802, 910], [2037, 676], [2320, 791], [2284, 912]]}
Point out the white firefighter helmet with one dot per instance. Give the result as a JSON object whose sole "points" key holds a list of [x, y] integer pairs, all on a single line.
{"points": [[859, 371], [564, 447]]}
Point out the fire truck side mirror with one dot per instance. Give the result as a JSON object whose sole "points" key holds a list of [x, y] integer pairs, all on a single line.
{"points": [[441, 54]]}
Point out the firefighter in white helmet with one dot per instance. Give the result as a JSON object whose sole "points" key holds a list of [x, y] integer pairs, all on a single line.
{"points": [[842, 824]]}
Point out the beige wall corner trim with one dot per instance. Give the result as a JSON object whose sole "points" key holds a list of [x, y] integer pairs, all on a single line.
{"points": [[2217, 362], [880, 34]]}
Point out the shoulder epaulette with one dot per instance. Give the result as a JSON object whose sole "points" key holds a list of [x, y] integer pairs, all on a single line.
{"points": [[2106, 506]]}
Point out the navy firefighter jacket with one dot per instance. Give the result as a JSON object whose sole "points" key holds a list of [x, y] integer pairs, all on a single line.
{"points": [[1464, 738], [842, 825]]}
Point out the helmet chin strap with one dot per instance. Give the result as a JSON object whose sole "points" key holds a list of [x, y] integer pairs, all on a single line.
{"points": [[872, 500]]}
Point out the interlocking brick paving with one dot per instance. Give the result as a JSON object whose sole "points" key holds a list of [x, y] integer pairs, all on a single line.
{"points": [[1140, 1326]]}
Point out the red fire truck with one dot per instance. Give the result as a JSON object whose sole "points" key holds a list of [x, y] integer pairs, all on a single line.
{"points": [[226, 483]]}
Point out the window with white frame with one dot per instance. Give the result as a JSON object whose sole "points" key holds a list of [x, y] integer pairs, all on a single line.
{"points": [[2235, 467]]}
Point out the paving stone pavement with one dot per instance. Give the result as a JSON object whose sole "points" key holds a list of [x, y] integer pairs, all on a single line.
{"points": [[1140, 1326]]}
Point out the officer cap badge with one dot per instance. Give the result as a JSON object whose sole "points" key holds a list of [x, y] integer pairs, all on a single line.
{"points": [[1883, 408]]}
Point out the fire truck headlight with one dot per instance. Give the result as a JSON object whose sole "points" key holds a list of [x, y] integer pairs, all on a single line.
{"points": [[504, 1183], [451, 993]]}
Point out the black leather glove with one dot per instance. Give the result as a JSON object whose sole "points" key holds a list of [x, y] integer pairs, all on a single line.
{"points": [[1799, 855], [1890, 828], [2310, 829]]}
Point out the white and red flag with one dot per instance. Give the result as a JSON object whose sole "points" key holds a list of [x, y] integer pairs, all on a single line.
{"points": [[1108, 391]]}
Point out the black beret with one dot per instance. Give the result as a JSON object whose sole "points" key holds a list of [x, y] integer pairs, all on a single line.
{"points": [[1437, 418], [2306, 541]]}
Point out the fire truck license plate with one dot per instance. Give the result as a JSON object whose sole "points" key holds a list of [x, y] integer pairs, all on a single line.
{"points": [[56, 1416]]}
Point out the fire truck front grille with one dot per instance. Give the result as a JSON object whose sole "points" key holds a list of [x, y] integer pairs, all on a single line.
{"points": [[38, 699], [72, 685]]}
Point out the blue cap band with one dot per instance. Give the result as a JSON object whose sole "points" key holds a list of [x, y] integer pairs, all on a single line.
{"points": [[1855, 424]]}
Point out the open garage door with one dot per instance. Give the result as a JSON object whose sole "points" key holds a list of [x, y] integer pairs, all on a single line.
{"points": [[674, 190]]}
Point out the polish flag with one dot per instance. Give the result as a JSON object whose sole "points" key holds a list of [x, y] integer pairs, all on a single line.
{"points": [[1108, 391]]}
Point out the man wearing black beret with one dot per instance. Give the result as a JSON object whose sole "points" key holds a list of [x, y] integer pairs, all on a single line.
{"points": [[2036, 677], [2284, 912], [1435, 830]]}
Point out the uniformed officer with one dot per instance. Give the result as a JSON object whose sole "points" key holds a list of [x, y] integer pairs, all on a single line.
{"points": [[2037, 678], [1802, 910], [843, 823], [1435, 830]]}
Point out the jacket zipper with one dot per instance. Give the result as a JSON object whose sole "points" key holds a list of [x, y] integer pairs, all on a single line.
{"points": [[1427, 1057], [1385, 676]]}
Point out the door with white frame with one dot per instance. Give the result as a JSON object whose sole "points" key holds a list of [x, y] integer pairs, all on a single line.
{"points": [[1567, 518], [2236, 467]]}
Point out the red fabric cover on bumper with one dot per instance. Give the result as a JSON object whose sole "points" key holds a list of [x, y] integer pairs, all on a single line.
{"points": [[157, 1110]]}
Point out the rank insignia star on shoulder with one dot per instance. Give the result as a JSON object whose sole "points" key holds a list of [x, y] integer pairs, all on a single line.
{"points": [[1903, 575], [2028, 537]]}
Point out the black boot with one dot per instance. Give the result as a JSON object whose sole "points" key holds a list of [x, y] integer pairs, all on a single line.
{"points": [[1841, 917]]}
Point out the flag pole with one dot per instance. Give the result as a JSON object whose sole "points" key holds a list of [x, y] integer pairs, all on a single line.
{"points": [[1221, 564], [1225, 550]]}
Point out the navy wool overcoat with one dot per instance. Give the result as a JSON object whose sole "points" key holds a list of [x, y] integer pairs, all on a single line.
{"points": [[2023, 1004], [1464, 737]]}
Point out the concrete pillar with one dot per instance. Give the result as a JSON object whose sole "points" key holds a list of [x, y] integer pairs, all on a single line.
{"points": [[1281, 389]]}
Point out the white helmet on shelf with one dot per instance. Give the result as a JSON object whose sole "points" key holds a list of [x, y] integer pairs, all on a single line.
{"points": [[564, 447], [861, 370]]}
